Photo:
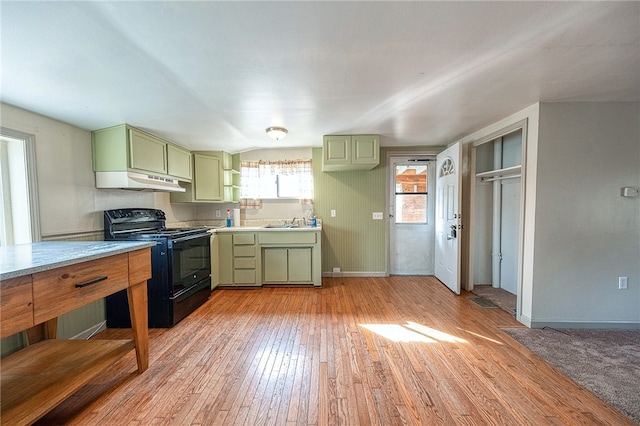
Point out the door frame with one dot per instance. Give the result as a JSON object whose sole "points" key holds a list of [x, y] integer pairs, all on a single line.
{"points": [[522, 126], [430, 151]]}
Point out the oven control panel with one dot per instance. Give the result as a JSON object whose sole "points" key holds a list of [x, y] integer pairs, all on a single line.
{"points": [[134, 215]]}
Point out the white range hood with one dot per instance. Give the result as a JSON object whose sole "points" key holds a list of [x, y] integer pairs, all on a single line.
{"points": [[137, 182]]}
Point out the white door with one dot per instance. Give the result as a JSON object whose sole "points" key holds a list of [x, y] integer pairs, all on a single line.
{"points": [[411, 215], [447, 250]]}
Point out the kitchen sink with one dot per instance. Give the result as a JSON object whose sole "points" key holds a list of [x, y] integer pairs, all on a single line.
{"points": [[281, 226]]}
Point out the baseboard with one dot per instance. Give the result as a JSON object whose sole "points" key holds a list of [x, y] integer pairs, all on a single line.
{"points": [[610, 325], [90, 332], [330, 274]]}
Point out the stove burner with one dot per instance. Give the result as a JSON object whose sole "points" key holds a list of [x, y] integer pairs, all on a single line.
{"points": [[127, 224]]}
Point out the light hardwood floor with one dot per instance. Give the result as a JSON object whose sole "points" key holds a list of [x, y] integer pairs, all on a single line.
{"points": [[359, 351]]}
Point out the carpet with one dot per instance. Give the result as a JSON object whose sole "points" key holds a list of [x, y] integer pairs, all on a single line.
{"points": [[607, 362]]}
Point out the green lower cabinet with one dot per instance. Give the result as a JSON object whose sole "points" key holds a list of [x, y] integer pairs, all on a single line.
{"points": [[236, 260], [222, 266], [287, 265], [275, 265], [251, 259]]}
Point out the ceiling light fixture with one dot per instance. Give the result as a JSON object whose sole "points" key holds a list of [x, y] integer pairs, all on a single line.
{"points": [[277, 133]]}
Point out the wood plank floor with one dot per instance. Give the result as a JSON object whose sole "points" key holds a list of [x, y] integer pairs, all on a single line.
{"points": [[359, 351]]}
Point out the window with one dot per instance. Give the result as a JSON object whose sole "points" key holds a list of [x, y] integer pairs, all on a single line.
{"points": [[411, 193], [19, 218], [262, 180]]}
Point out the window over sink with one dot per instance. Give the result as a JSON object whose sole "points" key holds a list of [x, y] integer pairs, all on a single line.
{"points": [[265, 180]]}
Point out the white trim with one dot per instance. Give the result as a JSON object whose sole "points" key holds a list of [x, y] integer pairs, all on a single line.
{"points": [[607, 325], [354, 274], [32, 177]]}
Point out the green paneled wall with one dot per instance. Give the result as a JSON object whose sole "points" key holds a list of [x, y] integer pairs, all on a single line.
{"points": [[352, 240]]}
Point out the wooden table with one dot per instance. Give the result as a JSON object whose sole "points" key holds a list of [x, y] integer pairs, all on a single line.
{"points": [[36, 379]]}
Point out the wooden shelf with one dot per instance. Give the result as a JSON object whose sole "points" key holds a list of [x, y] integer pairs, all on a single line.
{"points": [[41, 376]]}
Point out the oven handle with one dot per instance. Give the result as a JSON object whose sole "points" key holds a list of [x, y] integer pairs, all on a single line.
{"points": [[190, 237]]}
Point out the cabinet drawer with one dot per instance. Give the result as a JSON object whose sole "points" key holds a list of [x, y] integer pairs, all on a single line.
{"points": [[244, 276], [244, 238], [288, 237], [16, 305], [74, 286], [244, 262], [246, 251]]}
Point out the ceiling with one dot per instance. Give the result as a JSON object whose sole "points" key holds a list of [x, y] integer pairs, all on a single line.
{"points": [[215, 75]]}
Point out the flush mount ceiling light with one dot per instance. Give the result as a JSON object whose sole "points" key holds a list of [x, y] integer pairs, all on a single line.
{"points": [[277, 133]]}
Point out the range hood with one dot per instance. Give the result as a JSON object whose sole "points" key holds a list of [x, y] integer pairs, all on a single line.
{"points": [[137, 182]]}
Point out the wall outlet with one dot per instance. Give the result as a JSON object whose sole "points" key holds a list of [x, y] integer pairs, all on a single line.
{"points": [[622, 283], [333, 213], [377, 215], [336, 269], [218, 213]]}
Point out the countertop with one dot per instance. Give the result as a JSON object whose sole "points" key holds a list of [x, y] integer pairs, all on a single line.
{"points": [[25, 259], [265, 229]]}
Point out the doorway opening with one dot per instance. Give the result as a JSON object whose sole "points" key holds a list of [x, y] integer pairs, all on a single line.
{"points": [[497, 214], [19, 217], [411, 214]]}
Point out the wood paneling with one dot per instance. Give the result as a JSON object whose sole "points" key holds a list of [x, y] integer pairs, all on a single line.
{"points": [[359, 351]]}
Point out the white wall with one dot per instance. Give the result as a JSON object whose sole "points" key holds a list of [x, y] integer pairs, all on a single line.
{"points": [[69, 201], [587, 234]]}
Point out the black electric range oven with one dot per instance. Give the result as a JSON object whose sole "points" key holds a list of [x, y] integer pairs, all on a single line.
{"points": [[180, 267]]}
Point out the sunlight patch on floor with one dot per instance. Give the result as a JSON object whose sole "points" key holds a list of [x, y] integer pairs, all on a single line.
{"points": [[411, 332]]}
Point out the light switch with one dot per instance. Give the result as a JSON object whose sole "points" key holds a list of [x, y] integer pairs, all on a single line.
{"points": [[333, 213], [377, 215]]}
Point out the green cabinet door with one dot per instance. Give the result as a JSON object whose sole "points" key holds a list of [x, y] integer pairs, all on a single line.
{"points": [[336, 150], [299, 265], [225, 259], [275, 265], [147, 153], [208, 177], [365, 150], [179, 162]]}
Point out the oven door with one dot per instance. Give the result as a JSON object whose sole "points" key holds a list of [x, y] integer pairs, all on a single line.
{"points": [[190, 261]]}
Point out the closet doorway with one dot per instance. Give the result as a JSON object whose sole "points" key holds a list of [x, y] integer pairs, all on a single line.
{"points": [[497, 211]]}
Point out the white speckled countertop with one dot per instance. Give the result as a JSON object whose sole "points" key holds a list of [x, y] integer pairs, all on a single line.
{"points": [[25, 259], [266, 229]]}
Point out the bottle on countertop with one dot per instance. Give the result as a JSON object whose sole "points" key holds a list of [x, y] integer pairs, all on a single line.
{"points": [[228, 218], [311, 220]]}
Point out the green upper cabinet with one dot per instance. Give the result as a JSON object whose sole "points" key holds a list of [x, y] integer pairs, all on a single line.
{"points": [[345, 153], [208, 177], [125, 148], [212, 179], [179, 162], [147, 152]]}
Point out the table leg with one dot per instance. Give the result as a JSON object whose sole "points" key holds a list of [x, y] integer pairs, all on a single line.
{"points": [[137, 295]]}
